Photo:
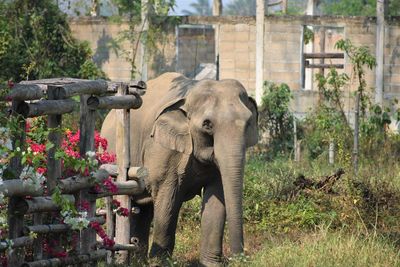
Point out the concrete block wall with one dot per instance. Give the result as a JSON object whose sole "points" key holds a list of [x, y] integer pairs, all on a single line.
{"points": [[237, 53], [100, 35], [282, 50]]}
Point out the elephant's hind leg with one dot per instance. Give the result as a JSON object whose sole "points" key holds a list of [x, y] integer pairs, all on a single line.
{"points": [[212, 224], [140, 230]]}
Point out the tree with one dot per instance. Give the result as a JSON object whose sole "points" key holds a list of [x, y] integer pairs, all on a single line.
{"points": [[201, 8], [36, 42], [241, 8], [357, 7]]}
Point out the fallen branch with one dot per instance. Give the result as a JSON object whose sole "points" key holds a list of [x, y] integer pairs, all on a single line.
{"points": [[325, 184]]}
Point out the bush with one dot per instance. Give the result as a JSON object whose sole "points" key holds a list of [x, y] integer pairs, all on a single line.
{"points": [[36, 42], [276, 120]]}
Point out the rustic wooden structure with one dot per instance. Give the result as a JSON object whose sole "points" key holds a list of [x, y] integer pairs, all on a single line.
{"points": [[52, 98]]}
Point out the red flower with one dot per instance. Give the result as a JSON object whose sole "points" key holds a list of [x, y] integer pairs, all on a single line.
{"points": [[41, 170], [123, 212], [61, 254], [27, 127], [38, 148], [84, 205], [109, 184], [10, 84], [107, 242], [106, 157], [115, 203]]}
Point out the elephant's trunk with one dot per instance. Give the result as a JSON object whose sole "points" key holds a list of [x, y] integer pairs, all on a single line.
{"points": [[230, 157]]}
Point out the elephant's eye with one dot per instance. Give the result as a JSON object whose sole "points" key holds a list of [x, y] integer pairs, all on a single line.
{"points": [[207, 125]]}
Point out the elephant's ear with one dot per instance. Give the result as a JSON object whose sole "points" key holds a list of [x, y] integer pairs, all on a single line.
{"points": [[252, 128], [171, 130]]}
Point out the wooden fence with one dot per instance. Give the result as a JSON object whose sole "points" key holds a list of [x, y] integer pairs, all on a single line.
{"points": [[52, 98]]}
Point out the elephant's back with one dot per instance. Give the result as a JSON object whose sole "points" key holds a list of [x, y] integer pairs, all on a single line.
{"points": [[159, 91]]}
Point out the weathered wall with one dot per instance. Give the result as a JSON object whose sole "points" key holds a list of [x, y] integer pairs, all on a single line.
{"points": [[282, 56]]}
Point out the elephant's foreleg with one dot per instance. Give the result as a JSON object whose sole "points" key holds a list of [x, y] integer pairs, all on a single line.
{"points": [[212, 224], [140, 229], [166, 211]]}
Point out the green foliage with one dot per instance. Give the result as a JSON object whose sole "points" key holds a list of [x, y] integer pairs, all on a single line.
{"points": [[275, 117], [308, 35], [36, 42], [158, 24], [201, 8], [360, 57], [356, 7], [349, 7]]}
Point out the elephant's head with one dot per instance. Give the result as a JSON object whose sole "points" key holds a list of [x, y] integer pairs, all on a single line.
{"points": [[216, 121]]}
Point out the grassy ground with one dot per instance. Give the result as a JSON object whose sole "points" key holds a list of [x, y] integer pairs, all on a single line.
{"points": [[354, 224]]}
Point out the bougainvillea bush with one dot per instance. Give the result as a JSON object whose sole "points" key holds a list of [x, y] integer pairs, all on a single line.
{"points": [[33, 156]]}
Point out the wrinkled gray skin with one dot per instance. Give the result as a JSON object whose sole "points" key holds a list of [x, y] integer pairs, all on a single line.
{"points": [[192, 136]]}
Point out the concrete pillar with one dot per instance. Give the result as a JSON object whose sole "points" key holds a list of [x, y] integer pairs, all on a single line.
{"points": [[145, 28], [380, 42], [217, 11], [260, 19]]}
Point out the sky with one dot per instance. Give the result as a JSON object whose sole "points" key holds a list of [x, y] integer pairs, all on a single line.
{"points": [[185, 4]]}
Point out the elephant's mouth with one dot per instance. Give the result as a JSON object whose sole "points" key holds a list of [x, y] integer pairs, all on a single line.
{"points": [[205, 155]]}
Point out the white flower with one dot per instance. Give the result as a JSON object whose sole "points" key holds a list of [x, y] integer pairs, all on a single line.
{"points": [[18, 149], [90, 154]]}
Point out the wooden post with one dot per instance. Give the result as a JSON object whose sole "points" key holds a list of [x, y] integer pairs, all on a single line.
{"points": [[16, 218], [295, 142], [331, 152], [380, 50], [53, 165], [260, 18], [110, 226], [86, 144], [54, 124], [356, 129], [122, 225]]}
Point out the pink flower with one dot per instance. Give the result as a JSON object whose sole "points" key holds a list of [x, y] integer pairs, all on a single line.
{"points": [[41, 170], [110, 186], [107, 242], [106, 157], [123, 212], [38, 148], [84, 205]]}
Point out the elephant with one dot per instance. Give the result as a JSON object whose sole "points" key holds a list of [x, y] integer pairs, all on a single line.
{"points": [[192, 137]]}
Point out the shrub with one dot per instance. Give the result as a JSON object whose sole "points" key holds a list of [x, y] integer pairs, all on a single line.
{"points": [[276, 120]]}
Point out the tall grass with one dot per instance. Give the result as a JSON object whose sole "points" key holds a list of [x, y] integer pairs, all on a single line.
{"points": [[327, 249]]}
